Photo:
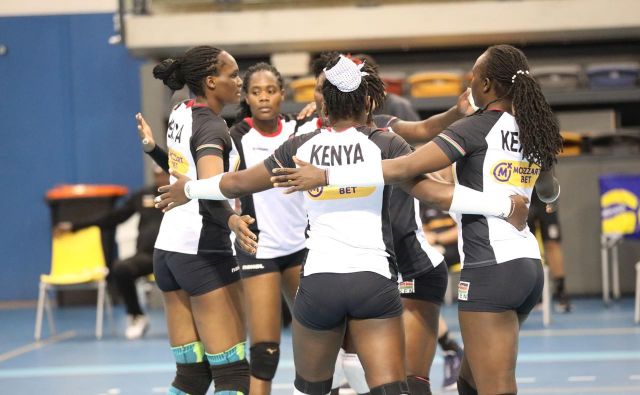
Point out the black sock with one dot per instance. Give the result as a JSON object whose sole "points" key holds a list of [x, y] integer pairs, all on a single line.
{"points": [[559, 286], [447, 343]]}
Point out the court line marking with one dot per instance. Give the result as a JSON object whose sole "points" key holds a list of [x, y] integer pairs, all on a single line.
{"points": [[576, 379], [634, 377], [36, 345], [525, 380]]}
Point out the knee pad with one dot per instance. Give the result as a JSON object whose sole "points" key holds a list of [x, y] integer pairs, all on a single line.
{"points": [[465, 388], [312, 387], [354, 372], [395, 388], [264, 360], [419, 385], [193, 378], [232, 376]]}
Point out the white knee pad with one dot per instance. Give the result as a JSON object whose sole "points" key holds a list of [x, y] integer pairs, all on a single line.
{"points": [[354, 372], [338, 373]]}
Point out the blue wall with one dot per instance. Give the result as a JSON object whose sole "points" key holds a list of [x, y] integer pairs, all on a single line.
{"points": [[67, 105]]}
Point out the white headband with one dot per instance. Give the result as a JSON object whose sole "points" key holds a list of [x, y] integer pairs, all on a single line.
{"points": [[345, 75], [513, 78]]}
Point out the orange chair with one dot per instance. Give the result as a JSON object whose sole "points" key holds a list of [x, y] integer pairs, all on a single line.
{"points": [[77, 262]]}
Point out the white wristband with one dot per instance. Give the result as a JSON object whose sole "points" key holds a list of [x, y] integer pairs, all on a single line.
{"points": [[208, 188], [469, 201], [355, 176]]}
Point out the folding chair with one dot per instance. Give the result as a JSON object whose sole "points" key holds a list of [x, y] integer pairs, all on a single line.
{"points": [[77, 262], [619, 203]]}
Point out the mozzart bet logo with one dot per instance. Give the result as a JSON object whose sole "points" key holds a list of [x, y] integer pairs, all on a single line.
{"points": [[333, 193], [178, 162], [519, 174]]}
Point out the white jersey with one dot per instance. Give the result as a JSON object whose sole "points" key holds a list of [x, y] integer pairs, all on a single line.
{"points": [[198, 226], [280, 219], [349, 228], [488, 158]]}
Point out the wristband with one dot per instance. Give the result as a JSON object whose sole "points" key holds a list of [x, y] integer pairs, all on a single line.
{"points": [[208, 188], [469, 201]]}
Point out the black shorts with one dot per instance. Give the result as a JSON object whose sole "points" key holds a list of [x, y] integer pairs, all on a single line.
{"points": [[412, 260], [251, 266], [548, 222], [513, 285], [430, 286], [325, 300], [195, 274]]}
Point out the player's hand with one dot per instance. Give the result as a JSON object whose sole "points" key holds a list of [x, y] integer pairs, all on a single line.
{"points": [[551, 207], [519, 212], [463, 106], [244, 236], [145, 133], [308, 111], [303, 178], [172, 195]]}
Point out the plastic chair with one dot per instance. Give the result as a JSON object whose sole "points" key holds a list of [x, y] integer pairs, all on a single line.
{"points": [[77, 262], [619, 203]]}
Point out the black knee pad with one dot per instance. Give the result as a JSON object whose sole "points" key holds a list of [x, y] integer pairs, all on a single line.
{"points": [[313, 387], [264, 360], [395, 388], [193, 378], [231, 376], [419, 385], [465, 388]]}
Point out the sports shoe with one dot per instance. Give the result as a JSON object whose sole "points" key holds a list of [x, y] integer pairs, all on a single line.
{"points": [[137, 326], [452, 362], [563, 304]]}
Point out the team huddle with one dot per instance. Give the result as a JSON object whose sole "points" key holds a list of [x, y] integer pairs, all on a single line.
{"points": [[329, 219]]}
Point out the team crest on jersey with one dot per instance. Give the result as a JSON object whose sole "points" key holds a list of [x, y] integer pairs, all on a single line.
{"points": [[463, 290], [407, 287], [333, 193], [178, 162], [516, 173]]}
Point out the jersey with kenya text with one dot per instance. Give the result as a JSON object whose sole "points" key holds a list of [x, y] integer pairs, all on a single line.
{"points": [[349, 228], [199, 226], [280, 219], [488, 157]]}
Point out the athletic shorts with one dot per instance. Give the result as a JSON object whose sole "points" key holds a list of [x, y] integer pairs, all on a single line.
{"points": [[325, 300], [548, 222], [195, 274], [430, 286], [513, 285], [412, 260], [251, 266]]}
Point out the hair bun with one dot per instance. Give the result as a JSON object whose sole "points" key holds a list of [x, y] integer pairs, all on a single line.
{"points": [[169, 71]]}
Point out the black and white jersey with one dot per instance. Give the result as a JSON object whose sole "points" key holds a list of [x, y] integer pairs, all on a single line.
{"points": [[349, 227], [488, 157], [280, 219], [199, 226], [415, 255]]}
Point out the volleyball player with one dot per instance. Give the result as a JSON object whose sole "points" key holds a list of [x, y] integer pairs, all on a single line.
{"points": [[509, 145], [194, 263], [280, 222], [349, 271]]}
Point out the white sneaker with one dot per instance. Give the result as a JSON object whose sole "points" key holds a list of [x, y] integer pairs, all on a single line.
{"points": [[137, 326]]}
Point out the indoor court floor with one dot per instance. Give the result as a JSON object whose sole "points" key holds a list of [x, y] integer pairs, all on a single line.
{"points": [[593, 350]]}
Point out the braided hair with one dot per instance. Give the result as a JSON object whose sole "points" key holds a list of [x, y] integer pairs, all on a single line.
{"points": [[190, 69], [344, 105], [245, 110], [540, 138], [322, 61]]}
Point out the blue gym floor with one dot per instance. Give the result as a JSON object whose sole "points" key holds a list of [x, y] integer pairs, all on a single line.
{"points": [[593, 350]]}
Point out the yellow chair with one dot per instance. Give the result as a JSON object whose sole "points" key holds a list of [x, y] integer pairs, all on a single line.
{"points": [[303, 89], [77, 262], [432, 84]]}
